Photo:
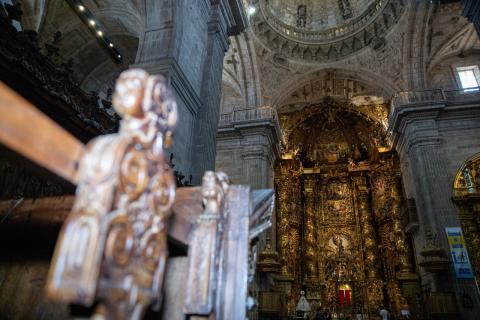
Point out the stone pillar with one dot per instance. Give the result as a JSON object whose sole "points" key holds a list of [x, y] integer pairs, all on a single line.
{"points": [[431, 133], [248, 146], [205, 134], [185, 41]]}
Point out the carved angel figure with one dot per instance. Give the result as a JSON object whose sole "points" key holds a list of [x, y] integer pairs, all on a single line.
{"points": [[113, 244]]}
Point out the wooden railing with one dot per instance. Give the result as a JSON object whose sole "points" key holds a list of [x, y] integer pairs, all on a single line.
{"points": [[112, 248]]}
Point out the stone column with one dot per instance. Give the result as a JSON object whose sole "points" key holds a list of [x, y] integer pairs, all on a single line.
{"points": [[433, 136], [185, 41], [248, 146], [205, 134]]}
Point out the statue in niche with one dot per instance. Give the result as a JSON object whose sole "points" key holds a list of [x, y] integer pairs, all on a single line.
{"points": [[339, 245], [302, 16], [345, 9]]}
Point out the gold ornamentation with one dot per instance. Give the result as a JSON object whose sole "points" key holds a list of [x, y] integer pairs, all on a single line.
{"points": [[113, 245], [466, 194]]}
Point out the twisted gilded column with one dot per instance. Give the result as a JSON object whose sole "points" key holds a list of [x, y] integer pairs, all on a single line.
{"points": [[373, 282], [309, 238], [283, 228], [288, 189], [387, 201], [288, 195]]}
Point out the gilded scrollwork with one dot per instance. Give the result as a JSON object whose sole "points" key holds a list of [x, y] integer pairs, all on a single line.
{"points": [[113, 245], [349, 211]]}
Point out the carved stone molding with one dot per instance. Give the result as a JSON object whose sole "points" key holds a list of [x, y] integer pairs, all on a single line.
{"points": [[335, 44]]}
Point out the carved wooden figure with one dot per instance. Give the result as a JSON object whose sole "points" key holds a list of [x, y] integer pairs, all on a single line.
{"points": [[113, 246], [205, 243]]}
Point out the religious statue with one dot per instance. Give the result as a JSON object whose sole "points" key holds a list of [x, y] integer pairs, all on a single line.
{"points": [[301, 16], [345, 9], [303, 307]]}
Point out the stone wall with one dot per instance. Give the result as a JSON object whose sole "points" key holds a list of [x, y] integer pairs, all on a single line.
{"points": [[248, 145], [435, 132], [186, 42]]}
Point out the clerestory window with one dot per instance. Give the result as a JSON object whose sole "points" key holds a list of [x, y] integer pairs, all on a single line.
{"points": [[469, 78]]}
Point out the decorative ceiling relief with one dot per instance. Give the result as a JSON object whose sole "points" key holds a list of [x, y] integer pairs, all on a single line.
{"points": [[321, 31], [352, 132]]}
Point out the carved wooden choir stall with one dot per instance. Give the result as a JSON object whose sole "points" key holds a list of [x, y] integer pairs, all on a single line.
{"points": [[112, 250]]}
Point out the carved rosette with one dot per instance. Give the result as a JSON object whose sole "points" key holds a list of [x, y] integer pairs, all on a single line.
{"points": [[113, 245]]}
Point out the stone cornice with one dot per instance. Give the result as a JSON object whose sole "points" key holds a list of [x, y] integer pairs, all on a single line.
{"points": [[250, 123], [415, 123]]}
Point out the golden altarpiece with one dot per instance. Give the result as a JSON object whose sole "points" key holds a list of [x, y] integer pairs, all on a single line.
{"points": [[338, 221]]}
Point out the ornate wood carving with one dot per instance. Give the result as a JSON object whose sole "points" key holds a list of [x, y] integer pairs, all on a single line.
{"points": [[113, 245], [203, 264]]}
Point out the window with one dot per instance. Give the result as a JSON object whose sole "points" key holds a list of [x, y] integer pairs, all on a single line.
{"points": [[469, 78]]}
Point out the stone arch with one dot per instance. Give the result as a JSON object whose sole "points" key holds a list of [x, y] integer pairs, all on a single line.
{"points": [[413, 50], [240, 66], [92, 63], [458, 50], [33, 13], [467, 178]]}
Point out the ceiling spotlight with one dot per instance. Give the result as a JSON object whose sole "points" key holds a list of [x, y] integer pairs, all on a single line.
{"points": [[110, 45], [251, 10], [81, 8], [119, 57], [100, 33], [92, 22]]}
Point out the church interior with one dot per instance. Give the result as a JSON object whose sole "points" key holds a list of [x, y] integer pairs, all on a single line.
{"points": [[240, 159]]}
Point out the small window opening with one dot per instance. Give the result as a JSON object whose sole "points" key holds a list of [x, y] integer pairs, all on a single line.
{"points": [[469, 78]]}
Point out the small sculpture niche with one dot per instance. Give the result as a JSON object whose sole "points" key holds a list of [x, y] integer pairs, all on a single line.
{"points": [[301, 16], [345, 9]]}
